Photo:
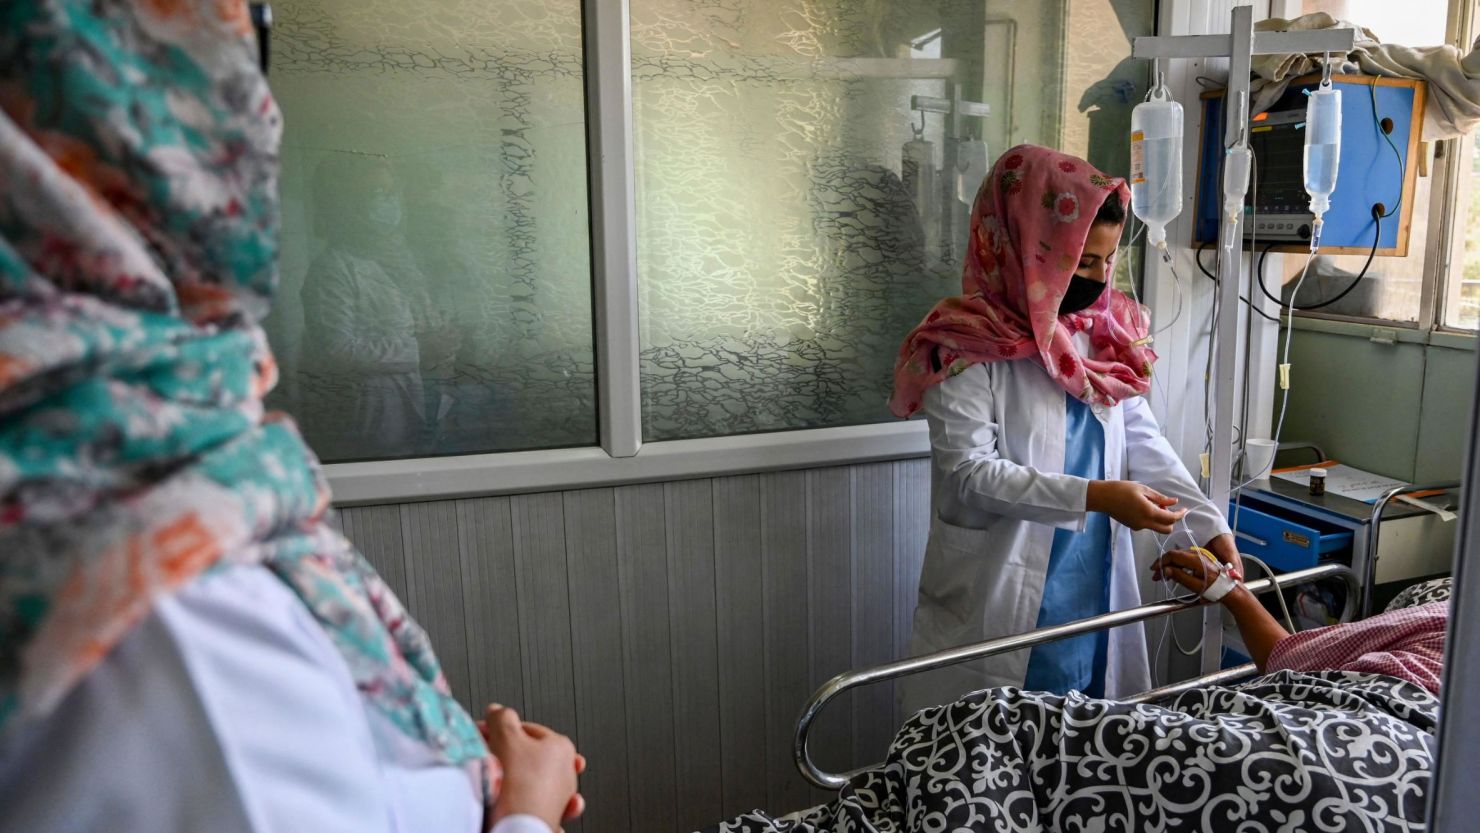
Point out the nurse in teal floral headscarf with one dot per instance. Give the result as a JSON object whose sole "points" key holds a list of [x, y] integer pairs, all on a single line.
{"points": [[141, 482]]}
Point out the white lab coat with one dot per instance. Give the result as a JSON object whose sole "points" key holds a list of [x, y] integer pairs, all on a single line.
{"points": [[228, 709], [997, 434]]}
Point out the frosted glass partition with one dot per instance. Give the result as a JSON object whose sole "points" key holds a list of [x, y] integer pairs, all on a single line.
{"points": [[788, 233], [436, 290]]}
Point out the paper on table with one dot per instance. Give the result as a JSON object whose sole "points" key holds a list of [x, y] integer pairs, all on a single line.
{"points": [[1348, 482]]}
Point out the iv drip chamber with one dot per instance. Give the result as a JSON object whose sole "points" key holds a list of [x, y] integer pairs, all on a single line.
{"points": [[1237, 161], [1156, 163]]}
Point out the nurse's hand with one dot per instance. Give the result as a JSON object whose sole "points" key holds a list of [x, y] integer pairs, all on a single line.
{"points": [[1134, 505], [539, 765], [1224, 550]]}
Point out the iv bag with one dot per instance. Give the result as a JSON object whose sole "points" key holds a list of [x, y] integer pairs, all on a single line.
{"points": [[1156, 164], [917, 172], [972, 167], [1322, 146]]}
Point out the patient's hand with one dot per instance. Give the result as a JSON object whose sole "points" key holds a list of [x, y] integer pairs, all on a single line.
{"points": [[1259, 629], [1224, 549], [540, 768], [1187, 568]]}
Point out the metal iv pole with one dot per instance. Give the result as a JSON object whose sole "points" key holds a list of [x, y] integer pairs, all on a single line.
{"points": [[1239, 46]]}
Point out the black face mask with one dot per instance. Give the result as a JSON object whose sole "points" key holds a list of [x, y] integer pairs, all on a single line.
{"points": [[1081, 294]]}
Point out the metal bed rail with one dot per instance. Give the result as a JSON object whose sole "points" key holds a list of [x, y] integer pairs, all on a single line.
{"points": [[1374, 529], [849, 680]]}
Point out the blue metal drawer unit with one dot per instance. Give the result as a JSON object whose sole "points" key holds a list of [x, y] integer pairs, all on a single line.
{"points": [[1286, 544]]}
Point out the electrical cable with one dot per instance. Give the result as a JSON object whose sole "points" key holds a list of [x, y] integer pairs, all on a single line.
{"points": [[1379, 213], [1197, 255], [1376, 237]]}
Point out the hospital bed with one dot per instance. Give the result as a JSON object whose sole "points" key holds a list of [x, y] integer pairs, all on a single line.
{"points": [[850, 680], [1291, 749], [1306, 749]]}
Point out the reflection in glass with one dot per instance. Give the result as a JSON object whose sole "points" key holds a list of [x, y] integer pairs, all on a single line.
{"points": [[374, 332], [434, 225], [789, 232]]}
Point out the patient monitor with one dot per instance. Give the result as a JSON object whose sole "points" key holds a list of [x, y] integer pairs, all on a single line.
{"points": [[1380, 121]]}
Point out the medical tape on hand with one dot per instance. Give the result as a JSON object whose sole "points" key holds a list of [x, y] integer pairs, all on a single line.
{"points": [[1220, 588], [1224, 583]]}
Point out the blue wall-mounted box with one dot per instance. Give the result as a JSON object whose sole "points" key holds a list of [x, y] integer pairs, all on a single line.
{"points": [[1373, 170]]}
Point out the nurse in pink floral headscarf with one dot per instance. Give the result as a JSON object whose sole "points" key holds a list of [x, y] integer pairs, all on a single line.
{"points": [[1045, 457]]}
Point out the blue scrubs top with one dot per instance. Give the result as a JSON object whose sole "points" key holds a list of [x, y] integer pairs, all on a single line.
{"points": [[1078, 583]]}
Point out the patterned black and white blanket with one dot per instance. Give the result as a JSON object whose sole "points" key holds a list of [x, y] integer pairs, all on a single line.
{"points": [[1287, 752]]}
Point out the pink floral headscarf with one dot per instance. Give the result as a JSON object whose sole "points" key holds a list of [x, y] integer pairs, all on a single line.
{"points": [[1028, 227]]}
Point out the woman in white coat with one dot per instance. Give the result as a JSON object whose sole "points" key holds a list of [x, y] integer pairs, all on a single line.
{"points": [[1045, 457]]}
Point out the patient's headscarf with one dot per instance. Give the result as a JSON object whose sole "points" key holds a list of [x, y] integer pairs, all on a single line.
{"points": [[1028, 227], [138, 254]]}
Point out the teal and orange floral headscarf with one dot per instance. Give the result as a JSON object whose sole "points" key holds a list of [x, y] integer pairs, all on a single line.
{"points": [[1028, 227], [138, 254]]}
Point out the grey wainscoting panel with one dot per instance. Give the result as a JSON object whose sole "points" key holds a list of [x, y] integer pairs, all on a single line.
{"points": [[875, 610], [647, 663], [672, 629], [485, 540], [830, 608], [376, 532], [784, 578], [689, 519], [434, 584], [596, 638], [911, 530], [740, 611], [544, 609]]}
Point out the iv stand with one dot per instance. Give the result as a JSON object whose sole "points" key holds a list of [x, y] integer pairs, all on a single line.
{"points": [[1240, 46], [946, 200]]}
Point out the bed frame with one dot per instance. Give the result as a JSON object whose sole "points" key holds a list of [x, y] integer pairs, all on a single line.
{"points": [[915, 665]]}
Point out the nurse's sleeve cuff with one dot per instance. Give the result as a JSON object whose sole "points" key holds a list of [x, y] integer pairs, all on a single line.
{"points": [[1205, 523], [1077, 491], [521, 823]]}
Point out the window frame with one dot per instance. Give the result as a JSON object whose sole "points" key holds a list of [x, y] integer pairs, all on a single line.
{"points": [[620, 455], [1460, 33]]}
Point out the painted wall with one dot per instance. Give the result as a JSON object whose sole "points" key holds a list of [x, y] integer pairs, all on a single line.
{"points": [[1401, 409]]}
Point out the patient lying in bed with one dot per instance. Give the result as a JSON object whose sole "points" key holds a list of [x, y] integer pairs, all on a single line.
{"points": [[1338, 734]]}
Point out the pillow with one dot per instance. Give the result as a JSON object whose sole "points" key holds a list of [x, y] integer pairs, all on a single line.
{"points": [[1434, 590]]}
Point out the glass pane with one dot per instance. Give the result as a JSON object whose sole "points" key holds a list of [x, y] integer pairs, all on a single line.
{"points": [[1411, 23], [1462, 302], [1392, 288], [436, 283], [796, 217]]}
